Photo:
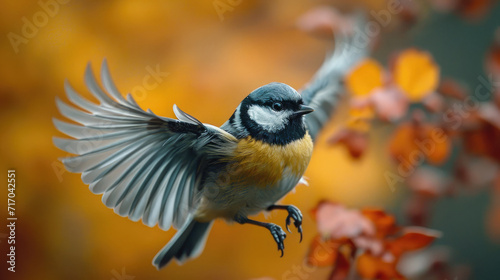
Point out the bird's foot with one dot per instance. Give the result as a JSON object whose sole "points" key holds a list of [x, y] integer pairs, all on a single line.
{"points": [[277, 232], [279, 236], [295, 214]]}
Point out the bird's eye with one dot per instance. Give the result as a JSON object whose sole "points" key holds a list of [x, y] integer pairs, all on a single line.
{"points": [[277, 106]]}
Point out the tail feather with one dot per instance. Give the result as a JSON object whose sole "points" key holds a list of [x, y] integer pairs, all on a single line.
{"points": [[187, 243]]}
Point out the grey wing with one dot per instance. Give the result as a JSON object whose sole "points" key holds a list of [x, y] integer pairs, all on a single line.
{"points": [[325, 88], [146, 166]]}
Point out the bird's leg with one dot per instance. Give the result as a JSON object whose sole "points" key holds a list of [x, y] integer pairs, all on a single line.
{"points": [[293, 213], [276, 231]]}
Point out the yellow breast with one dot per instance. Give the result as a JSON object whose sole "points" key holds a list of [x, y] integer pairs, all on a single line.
{"points": [[260, 164]]}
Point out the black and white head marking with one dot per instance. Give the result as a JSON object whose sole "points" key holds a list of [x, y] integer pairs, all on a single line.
{"points": [[269, 114], [269, 119]]}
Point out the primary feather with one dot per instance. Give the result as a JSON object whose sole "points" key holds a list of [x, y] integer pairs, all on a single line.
{"points": [[146, 166], [326, 87]]}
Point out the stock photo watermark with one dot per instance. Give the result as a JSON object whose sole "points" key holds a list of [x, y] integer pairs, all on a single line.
{"points": [[11, 220], [152, 80], [121, 276], [223, 6], [32, 25]]}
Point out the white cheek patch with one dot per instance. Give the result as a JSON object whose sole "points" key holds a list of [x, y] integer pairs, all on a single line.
{"points": [[270, 120]]}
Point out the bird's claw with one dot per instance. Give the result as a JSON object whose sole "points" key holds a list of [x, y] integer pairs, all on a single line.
{"points": [[295, 214], [279, 236]]}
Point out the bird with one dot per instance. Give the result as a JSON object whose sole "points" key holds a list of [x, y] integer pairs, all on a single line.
{"points": [[186, 174]]}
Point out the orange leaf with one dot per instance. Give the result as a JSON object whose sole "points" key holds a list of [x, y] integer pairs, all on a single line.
{"points": [[416, 73], [400, 145], [412, 143], [385, 224], [322, 253], [473, 9], [413, 238], [365, 113], [354, 139], [371, 267], [453, 89], [359, 125], [365, 77], [383, 266], [360, 119], [442, 152], [341, 270], [483, 141]]}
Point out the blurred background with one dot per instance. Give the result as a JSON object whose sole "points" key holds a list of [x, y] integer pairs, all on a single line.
{"points": [[206, 56]]}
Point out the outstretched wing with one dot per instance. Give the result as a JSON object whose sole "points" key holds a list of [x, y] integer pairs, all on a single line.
{"points": [[146, 166], [325, 88]]}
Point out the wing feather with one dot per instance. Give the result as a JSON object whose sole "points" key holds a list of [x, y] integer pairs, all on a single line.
{"points": [[109, 85], [325, 88], [145, 166]]}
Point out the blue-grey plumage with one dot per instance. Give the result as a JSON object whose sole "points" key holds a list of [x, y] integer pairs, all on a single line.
{"points": [[183, 173], [326, 87], [186, 244], [146, 166]]}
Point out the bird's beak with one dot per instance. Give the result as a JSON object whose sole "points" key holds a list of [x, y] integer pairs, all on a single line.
{"points": [[303, 110]]}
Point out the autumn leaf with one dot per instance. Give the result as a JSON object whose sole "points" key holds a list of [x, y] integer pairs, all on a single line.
{"points": [[385, 224], [429, 181], [341, 269], [347, 223], [412, 238], [473, 9], [483, 139], [322, 252], [370, 236], [442, 148], [413, 142], [354, 140], [451, 88], [372, 267], [416, 73], [383, 266], [361, 113], [390, 104], [365, 77], [469, 9]]}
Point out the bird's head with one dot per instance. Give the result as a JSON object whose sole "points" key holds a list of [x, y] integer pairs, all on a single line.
{"points": [[272, 113]]}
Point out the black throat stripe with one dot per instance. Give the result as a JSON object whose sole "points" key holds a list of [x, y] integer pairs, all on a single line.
{"points": [[294, 130]]}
